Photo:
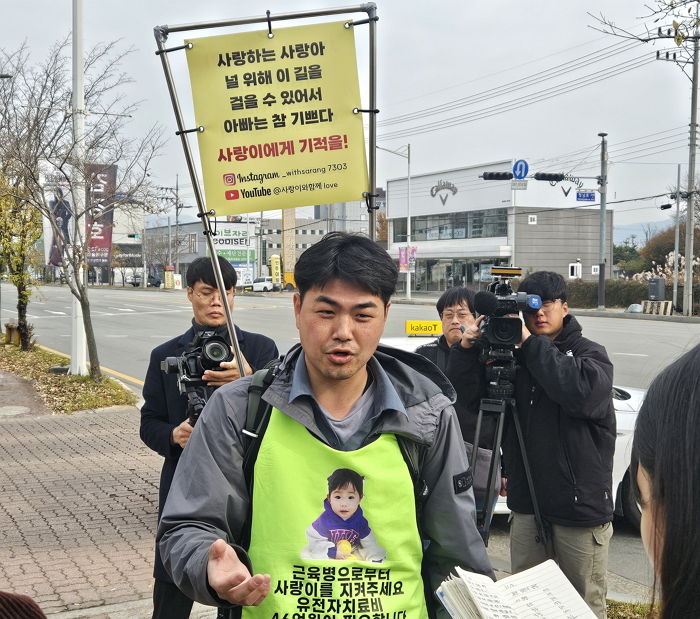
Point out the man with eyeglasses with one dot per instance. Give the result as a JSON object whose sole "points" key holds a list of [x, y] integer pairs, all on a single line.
{"points": [[456, 355], [164, 425], [563, 392]]}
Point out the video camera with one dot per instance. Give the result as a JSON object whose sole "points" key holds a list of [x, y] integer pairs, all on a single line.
{"points": [[206, 352], [501, 330]]}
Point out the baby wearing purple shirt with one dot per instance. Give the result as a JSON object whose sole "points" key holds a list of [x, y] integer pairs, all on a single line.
{"points": [[342, 532]]}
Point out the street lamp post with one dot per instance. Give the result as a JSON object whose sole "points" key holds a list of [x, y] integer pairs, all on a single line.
{"points": [[407, 156]]}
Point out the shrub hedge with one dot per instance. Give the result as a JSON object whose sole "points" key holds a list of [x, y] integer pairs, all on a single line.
{"points": [[619, 293]]}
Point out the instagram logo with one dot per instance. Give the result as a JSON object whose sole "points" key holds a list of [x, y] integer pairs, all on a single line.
{"points": [[229, 179], [232, 194]]}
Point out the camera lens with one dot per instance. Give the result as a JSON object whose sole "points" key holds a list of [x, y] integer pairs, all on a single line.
{"points": [[504, 330], [216, 351]]}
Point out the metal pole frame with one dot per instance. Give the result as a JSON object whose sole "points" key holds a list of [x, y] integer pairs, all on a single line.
{"points": [[161, 35]]}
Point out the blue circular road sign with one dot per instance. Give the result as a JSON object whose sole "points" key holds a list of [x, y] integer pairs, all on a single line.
{"points": [[520, 169]]}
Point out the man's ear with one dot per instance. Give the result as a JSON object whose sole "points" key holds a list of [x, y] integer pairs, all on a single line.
{"points": [[297, 301], [386, 309], [565, 307]]}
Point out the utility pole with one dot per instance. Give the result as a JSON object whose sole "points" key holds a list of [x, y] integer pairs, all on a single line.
{"points": [[690, 212], [174, 197], [676, 243], [177, 225], [407, 156], [78, 357], [603, 181], [679, 37]]}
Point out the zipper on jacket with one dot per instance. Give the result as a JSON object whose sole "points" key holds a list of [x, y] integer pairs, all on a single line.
{"points": [[571, 473]]}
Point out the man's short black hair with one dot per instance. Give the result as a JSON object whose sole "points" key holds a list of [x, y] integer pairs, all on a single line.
{"points": [[459, 295], [547, 284], [202, 270], [346, 477], [353, 258]]}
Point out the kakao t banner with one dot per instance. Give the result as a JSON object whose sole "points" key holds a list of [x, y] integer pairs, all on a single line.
{"points": [[280, 127]]}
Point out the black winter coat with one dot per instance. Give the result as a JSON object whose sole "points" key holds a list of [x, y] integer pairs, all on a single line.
{"points": [[164, 408], [564, 401], [466, 373]]}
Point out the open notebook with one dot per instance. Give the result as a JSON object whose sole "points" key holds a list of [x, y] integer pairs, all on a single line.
{"points": [[542, 592]]}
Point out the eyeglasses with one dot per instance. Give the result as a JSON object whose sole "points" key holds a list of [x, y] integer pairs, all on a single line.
{"points": [[548, 306], [208, 295], [462, 315]]}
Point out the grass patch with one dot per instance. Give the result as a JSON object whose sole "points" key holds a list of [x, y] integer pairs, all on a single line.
{"points": [[626, 610], [60, 392]]}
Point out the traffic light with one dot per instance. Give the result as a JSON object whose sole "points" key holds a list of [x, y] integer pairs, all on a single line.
{"points": [[548, 176], [497, 176], [133, 236]]}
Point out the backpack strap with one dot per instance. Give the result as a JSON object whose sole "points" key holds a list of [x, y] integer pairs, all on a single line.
{"points": [[414, 455], [257, 417]]}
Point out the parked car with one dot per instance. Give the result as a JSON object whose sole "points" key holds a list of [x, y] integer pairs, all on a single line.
{"points": [[262, 284], [135, 281], [627, 402]]}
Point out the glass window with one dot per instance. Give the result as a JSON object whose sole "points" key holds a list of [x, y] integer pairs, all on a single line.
{"points": [[400, 230], [460, 226], [476, 224], [495, 223], [418, 233]]}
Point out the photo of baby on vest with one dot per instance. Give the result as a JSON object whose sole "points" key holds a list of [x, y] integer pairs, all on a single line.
{"points": [[342, 532]]}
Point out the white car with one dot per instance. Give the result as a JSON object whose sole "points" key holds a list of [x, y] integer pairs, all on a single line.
{"points": [[627, 402], [262, 284]]}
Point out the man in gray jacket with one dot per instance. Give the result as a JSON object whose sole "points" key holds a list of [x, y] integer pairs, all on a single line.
{"points": [[341, 409]]}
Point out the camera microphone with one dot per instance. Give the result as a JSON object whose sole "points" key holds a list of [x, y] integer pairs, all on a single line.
{"points": [[485, 303]]}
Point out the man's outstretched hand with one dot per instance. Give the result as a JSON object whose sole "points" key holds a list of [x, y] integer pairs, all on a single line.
{"points": [[230, 578]]}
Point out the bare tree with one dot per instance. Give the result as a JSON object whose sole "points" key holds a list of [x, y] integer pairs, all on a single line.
{"points": [[37, 145]]}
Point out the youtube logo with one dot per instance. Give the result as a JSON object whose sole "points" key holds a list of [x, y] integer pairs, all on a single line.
{"points": [[232, 194]]}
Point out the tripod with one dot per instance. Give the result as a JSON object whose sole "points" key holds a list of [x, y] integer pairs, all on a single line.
{"points": [[501, 370]]}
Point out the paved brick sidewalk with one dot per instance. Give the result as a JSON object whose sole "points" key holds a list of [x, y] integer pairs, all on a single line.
{"points": [[78, 511]]}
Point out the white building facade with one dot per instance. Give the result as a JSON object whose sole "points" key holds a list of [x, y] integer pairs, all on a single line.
{"points": [[461, 225]]}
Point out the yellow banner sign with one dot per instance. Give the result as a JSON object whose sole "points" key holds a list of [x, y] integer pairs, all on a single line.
{"points": [[423, 327], [276, 269], [279, 128]]}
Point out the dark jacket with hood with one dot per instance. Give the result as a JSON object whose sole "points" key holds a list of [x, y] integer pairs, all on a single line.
{"points": [[564, 402], [164, 408], [466, 373]]}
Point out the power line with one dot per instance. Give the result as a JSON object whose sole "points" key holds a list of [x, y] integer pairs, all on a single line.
{"points": [[520, 102], [519, 84]]}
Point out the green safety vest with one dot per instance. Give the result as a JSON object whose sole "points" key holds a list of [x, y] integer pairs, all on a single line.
{"points": [[379, 576]]}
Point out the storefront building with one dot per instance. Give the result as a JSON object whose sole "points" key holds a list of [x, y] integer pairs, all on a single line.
{"points": [[462, 225]]}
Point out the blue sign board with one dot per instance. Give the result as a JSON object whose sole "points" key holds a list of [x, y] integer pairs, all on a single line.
{"points": [[520, 169], [585, 196]]}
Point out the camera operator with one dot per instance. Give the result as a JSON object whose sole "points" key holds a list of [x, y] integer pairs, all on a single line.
{"points": [[456, 355], [164, 424], [563, 393]]}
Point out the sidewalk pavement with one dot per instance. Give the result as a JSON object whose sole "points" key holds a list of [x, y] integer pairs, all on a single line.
{"points": [[79, 508]]}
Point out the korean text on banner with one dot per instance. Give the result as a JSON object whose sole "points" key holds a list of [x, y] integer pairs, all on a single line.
{"points": [[279, 128], [99, 197]]}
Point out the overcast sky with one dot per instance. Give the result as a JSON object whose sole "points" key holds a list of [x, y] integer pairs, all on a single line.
{"points": [[439, 53]]}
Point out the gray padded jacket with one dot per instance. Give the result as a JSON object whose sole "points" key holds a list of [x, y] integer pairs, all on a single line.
{"points": [[209, 499]]}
